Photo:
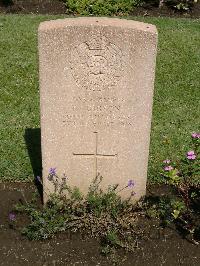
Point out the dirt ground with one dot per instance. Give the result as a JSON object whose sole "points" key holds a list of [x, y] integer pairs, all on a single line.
{"points": [[157, 246], [150, 8]]}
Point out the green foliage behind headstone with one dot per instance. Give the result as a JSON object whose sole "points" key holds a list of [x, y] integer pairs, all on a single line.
{"points": [[101, 7]]}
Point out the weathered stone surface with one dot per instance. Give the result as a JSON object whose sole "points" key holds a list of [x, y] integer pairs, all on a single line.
{"points": [[96, 83]]}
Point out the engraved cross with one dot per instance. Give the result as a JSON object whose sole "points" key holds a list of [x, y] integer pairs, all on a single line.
{"points": [[96, 155]]}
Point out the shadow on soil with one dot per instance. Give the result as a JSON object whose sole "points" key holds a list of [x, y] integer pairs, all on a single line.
{"points": [[33, 142], [6, 2]]}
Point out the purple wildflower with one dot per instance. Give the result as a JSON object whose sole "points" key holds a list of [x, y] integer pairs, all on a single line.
{"points": [[168, 168], [196, 135], [12, 216], [191, 155], [131, 183], [52, 171], [38, 178], [167, 161]]}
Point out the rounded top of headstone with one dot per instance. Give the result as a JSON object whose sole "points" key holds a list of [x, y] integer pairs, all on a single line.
{"points": [[97, 21]]}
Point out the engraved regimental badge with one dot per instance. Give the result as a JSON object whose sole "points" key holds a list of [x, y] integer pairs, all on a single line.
{"points": [[96, 64]]}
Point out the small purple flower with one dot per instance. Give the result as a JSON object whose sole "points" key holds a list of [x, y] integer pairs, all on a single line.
{"points": [[167, 161], [12, 216], [52, 171], [194, 135], [191, 155], [38, 179], [131, 183], [168, 168]]}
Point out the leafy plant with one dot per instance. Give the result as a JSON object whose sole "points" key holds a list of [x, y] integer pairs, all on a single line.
{"points": [[181, 5], [98, 214], [101, 7], [184, 177]]}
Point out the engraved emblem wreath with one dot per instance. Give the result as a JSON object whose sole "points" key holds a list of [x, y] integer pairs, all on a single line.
{"points": [[96, 63]]}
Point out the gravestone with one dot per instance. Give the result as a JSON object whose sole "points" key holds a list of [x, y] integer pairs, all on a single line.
{"points": [[96, 85]]}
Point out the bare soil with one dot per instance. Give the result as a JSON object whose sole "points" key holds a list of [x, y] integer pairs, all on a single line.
{"points": [[156, 247], [33, 7], [150, 8]]}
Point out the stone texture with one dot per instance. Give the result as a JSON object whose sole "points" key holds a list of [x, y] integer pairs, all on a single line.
{"points": [[96, 84]]}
